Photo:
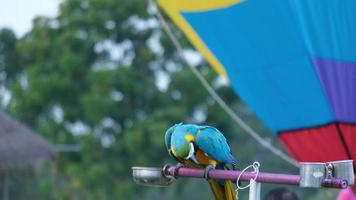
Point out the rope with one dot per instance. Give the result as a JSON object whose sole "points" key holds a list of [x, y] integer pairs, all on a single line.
{"points": [[218, 99]]}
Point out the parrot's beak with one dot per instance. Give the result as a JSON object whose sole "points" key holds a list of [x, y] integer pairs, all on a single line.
{"points": [[191, 153]]}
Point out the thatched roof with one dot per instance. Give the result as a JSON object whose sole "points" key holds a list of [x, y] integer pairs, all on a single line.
{"points": [[20, 146]]}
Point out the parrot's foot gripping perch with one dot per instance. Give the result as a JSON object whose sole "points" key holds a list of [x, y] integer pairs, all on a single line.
{"points": [[178, 166], [206, 171]]}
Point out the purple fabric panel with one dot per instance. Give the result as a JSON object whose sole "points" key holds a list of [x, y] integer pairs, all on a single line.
{"points": [[339, 82]]}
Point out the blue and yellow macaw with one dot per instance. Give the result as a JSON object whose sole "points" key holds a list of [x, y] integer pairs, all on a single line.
{"points": [[202, 147]]}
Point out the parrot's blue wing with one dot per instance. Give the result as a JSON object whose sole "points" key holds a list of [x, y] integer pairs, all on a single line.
{"points": [[212, 142]]}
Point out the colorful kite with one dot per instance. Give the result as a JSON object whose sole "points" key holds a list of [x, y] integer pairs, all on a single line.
{"points": [[292, 61]]}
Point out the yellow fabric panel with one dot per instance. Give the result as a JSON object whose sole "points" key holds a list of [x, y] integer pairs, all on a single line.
{"points": [[198, 5], [173, 8]]}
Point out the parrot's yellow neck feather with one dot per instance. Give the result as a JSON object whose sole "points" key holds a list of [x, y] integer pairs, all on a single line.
{"points": [[190, 138]]}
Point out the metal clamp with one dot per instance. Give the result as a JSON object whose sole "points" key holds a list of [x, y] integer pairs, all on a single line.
{"points": [[256, 165]]}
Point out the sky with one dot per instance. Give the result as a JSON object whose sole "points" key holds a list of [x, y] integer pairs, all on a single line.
{"points": [[18, 14]]}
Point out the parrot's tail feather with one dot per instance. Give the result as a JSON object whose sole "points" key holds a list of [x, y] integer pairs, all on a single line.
{"points": [[229, 190], [217, 189], [223, 192]]}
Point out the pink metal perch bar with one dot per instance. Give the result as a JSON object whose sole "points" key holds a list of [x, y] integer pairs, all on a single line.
{"points": [[246, 176]]}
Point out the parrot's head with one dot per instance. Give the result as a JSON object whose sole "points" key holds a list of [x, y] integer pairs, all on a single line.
{"points": [[181, 142], [168, 136]]}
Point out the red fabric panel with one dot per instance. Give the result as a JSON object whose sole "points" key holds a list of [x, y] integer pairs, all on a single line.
{"points": [[349, 133], [320, 144]]}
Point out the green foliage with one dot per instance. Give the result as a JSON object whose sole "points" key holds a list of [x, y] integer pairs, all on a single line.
{"points": [[9, 64]]}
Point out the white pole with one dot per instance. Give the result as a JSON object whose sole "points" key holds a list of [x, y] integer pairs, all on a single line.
{"points": [[255, 190]]}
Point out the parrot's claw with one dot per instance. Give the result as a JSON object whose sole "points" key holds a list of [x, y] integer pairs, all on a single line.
{"points": [[178, 166], [206, 171], [236, 168]]}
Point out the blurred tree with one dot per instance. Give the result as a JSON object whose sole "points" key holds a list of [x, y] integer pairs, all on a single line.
{"points": [[9, 64], [90, 78], [103, 76]]}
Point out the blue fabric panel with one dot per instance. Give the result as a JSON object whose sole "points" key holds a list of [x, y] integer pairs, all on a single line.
{"points": [[328, 27], [264, 54]]}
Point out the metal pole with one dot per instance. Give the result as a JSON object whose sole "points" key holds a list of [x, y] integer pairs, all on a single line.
{"points": [[255, 190], [246, 176]]}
